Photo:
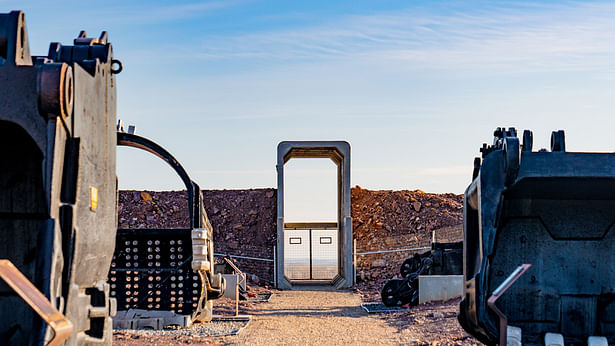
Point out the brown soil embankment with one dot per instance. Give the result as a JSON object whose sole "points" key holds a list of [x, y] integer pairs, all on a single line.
{"points": [[244, 224]]}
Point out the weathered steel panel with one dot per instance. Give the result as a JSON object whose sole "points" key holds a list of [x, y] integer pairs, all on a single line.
{"points": [[554, 210]]}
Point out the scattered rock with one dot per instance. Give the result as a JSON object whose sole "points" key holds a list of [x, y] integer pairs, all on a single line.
{"points": [[146, 196], [402, 228], [244, 222], [416, 206], [379, 263]]}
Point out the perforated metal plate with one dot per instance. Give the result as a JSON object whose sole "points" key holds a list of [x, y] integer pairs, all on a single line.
{"points": [[375, 308], [151, 270]]}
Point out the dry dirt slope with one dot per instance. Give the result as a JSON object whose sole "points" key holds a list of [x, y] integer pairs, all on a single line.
{"points": [[244, 222]]}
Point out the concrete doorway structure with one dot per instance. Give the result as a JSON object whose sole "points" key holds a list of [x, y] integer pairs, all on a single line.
{"points": [[316, 252]]}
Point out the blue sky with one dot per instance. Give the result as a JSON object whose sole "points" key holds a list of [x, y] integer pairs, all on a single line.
{"points": [[415, 87]]}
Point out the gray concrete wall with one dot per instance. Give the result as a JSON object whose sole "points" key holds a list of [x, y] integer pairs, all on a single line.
{"points": [[439, 287], [339, 152]]}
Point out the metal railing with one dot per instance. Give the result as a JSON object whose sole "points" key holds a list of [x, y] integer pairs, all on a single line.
{"points": [[241, 275], [245, 257], [271, 260], [393, 250]]}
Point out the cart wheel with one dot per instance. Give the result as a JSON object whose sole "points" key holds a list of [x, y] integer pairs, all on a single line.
{"points": [[390, 293], [410, 265]]}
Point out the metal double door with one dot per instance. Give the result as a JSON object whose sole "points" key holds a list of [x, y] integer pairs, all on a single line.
{"points": [[310, 254]]}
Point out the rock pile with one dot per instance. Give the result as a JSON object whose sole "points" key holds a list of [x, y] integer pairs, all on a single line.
{"points": [[379, 215], [244, 223], [388, 220], [152, 209]]}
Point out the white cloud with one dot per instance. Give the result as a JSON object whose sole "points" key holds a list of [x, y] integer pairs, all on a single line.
{"points": [[156, 14], [568, 36], [131, 13]]}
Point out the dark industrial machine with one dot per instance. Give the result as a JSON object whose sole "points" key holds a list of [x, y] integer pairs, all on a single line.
{"points": [[553, 212], [58, 206], [169, 270], [442, 259]]}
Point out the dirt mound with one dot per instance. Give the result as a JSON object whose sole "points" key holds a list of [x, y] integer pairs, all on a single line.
{"points": [[390, 220], [244, 224], [378, 215], [152, 209], [244, 221]]}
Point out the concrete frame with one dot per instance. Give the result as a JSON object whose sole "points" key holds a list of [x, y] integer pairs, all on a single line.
{"points": [[339, 153]]}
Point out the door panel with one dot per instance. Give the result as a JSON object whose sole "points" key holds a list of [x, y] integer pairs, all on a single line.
{"points": [[297, 254], [324, 254]]}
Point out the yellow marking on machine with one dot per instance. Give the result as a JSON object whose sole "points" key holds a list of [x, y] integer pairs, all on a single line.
{"points": [[93, 198]]}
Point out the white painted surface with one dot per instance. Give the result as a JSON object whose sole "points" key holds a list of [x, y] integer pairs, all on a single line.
{"points": [[439, 287], [554, 339], [297, 254], [513, 336], [597, 341], [321, 264], [231, 282]]}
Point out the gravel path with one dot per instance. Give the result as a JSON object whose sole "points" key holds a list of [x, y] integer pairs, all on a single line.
{"points": [[312, 317], [214, 328], [316, 317]]}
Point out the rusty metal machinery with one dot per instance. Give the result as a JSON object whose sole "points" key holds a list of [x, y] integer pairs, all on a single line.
{"points": [[58, 206], [167, 270], [59, 324], [553, 210], [442, 259]]}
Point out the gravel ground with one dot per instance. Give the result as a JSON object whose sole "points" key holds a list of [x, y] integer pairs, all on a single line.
{"points": [[430, 324], [318, 317], [426, 324], [215, 328], [311, 317], [129, 339]]}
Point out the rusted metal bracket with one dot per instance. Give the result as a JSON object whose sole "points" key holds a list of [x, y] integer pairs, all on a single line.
{"points": [[516, 274], [61, 326], [239, 282]]}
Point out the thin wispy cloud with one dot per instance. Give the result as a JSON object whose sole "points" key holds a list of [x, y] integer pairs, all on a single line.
{"points": [[568, 36], [445, 170], [161, 14], [220, 83], [134, 14], [233, 171]]}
